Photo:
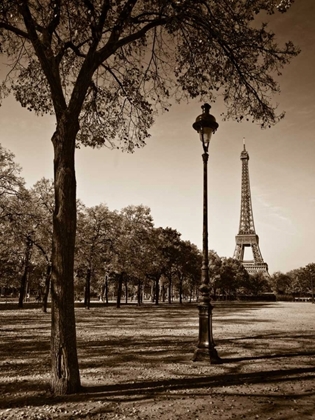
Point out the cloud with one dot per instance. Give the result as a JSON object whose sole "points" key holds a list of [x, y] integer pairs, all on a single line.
{"points": [[275, 217]]}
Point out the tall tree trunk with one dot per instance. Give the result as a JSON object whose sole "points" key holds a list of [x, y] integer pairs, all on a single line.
{"points": [[25, 272], [65, 377], [120, 283], [163, 292], [106, 290], [170, 289], [139, 300], [126, 290], [180, 291], [153, 291], [157, 290], [22, 293], [87, 294], [47, 286]]}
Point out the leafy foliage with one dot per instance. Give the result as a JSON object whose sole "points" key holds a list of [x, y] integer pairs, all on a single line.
{"points": [[11, 183], [130, 56]]}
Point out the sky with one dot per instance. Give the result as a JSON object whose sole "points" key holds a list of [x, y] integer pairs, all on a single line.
{"points": [[166, 175]]}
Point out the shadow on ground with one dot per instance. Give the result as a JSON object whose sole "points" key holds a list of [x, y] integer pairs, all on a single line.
{"points": [[140, 355]]}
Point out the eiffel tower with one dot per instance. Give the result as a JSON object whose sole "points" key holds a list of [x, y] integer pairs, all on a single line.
{"points": [[247, 236]]}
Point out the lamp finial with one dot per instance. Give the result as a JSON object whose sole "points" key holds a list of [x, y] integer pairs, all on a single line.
{"points": [[206, 108]]}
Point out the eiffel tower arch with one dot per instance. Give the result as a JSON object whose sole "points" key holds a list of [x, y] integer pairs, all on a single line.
{"points": [[247, 236]]}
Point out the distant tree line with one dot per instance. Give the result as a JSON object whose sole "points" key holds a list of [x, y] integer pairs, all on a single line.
{"points": [[119, 255]]}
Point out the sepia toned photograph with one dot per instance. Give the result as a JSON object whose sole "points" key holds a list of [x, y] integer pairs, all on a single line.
{"points": [[157, 201]]}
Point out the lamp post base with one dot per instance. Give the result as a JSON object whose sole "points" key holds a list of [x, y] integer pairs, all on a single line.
{"points": [[208, 355], [205, 350]]}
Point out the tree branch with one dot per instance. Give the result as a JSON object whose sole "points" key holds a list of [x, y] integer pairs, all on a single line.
{"points": [[15, 30], [55, 20], [46, 58], [108, 49]]}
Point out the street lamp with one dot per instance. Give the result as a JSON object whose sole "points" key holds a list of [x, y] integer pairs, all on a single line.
{"points": [[205, 125]]}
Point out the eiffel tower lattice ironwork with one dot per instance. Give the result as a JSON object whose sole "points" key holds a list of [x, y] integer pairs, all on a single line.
{"points": [[247, 235]]}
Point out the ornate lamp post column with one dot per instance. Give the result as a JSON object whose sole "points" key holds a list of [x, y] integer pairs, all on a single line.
{"points": [[205, 125]]}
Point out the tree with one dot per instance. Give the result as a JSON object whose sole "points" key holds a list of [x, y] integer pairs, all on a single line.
{"points": [[11, 257], [169, 248], [194, 272], [229, 275], [11, 186], [297, 282], [133, 233], [12, 192], [139, 223], [11, 183], [228, 280], [102, 67], [43, 201], [96, 232], [162, 262], [309, 276], [188, 266], [281, 283], [29, 218], [23, 222], [22, 212], [254, 284], [155, 266], [215, 264]]}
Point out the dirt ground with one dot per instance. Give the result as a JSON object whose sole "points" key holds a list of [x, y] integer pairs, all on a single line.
{"points": [[136, 363]]}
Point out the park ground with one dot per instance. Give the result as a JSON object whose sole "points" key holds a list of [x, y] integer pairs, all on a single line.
{"points": [[136, 363]]}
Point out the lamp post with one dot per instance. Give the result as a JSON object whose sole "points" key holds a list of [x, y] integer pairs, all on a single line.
{"points": [[205, 125]]}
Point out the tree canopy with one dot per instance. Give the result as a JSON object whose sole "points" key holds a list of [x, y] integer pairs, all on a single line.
{"points": [[114, 62]]}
